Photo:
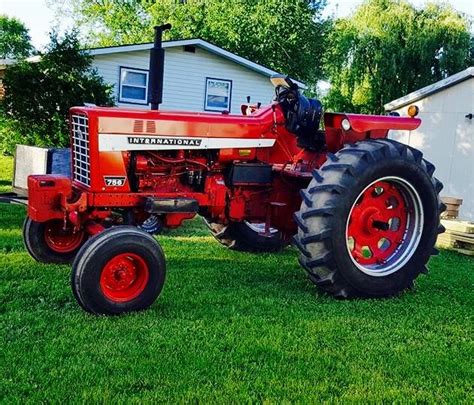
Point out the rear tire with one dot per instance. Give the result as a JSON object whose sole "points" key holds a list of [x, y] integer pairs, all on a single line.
{"points": [[369, 220], [119, 270], [246, 237], [46, 242]]}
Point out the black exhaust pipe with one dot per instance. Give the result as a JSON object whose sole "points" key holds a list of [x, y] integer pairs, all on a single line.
{"points": [[157, 64]]}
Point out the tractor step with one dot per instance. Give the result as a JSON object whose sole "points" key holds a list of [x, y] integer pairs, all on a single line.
{"points": [[170, 205]]}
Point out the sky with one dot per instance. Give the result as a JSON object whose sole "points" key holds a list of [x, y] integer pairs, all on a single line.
{"points": [[39, 18]]}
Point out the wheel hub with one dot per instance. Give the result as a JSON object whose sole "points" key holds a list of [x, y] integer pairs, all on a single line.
{"points": [[124, 277], [365, 222]]}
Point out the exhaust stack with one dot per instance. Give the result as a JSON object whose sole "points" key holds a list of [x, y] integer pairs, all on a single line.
{"points": [[157, 64]]}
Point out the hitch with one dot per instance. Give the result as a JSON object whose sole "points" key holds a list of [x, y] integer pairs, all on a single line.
{"points": [[13, 198]]}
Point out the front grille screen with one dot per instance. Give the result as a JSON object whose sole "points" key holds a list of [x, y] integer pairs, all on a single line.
{"points": [[80, 149]]}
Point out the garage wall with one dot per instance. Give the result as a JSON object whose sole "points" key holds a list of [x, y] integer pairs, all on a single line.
{"points": [[446, 138], [185, 77]]}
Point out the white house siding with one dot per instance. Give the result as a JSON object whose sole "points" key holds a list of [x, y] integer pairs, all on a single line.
{"points": [[446, 138], [185, 77]]}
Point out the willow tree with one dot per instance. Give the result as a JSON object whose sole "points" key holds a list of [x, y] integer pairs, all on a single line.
{"points": [[389, 48]]}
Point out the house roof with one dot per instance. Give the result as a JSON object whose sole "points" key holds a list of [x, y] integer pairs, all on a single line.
{"points": [[431, 89], [192, 42]]}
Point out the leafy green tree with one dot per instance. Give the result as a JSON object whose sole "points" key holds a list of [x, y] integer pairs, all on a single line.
{"points": [[285, 35], [389, 48], [14, 39], [39, 94]]}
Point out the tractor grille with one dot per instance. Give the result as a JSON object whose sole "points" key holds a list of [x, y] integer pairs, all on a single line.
{"points": [[80, 149]]}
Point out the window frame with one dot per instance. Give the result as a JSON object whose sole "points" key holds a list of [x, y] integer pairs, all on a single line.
{"points": [[126, 100], [217, 109]]}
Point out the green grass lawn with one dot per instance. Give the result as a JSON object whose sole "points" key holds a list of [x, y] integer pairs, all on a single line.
{"points": [[231, 327]]}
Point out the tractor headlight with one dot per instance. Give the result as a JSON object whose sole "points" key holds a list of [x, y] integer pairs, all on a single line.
{"points": [[413, 111], [345, 124]]}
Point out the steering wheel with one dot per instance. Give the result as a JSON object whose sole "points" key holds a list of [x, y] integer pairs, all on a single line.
{"points": [[302, 114], [287, 96]]}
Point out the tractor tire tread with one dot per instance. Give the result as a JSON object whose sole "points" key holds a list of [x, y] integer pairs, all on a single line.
{"points": [[306, 198], [317, 176]]}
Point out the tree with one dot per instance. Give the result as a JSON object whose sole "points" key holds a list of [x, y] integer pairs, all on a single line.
{"points": [[388, 48], [14, 39], [39, 94], [285, 35]]}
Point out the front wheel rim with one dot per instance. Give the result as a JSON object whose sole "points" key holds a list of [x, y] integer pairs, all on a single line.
{"points": [[384, 226], [60, 239], [124, 277]]}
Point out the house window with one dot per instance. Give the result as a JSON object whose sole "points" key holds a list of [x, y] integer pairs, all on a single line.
{"points": [[133, 86], [218, 95]]}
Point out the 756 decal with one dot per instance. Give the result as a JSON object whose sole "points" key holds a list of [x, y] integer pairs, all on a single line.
{"points": [[114, 181]]}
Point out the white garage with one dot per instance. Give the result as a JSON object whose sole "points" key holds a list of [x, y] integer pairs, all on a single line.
{"points": [[446, 135]]}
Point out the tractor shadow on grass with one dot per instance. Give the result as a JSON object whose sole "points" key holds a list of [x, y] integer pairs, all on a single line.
{"points": [[222, 273], [215, 289], [215, 281]]}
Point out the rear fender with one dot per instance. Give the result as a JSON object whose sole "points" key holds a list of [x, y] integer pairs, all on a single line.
{"points": [[47, 195], [362, 127]]}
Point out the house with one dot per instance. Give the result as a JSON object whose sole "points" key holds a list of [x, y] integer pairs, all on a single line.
{"points": [[198, 76], [446, 135]]}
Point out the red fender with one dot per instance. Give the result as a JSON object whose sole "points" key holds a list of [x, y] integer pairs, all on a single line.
{"points": [[362, 127]]}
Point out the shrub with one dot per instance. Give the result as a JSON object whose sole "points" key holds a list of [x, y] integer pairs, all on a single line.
{"points": [[39, 94]]}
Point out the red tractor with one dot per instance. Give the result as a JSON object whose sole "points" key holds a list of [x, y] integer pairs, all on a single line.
{"points": [[364, 210]]}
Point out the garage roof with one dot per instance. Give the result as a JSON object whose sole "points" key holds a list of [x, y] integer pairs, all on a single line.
{"points": [[431, 89]]}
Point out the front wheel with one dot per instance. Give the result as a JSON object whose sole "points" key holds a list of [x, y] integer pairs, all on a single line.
{"points": [[119, 270], [369, 220], [52, 241]]}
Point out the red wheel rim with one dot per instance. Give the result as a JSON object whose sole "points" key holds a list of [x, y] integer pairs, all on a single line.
{"points": [[62, 240], [384, 226], [124, 277]]}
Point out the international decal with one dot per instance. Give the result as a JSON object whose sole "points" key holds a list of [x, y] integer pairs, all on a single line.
{"points": [[139, 140]]}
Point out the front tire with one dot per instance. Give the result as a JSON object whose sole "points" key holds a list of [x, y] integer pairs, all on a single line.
{"points": [[119, 270], [49, 242], [369, 220]]}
